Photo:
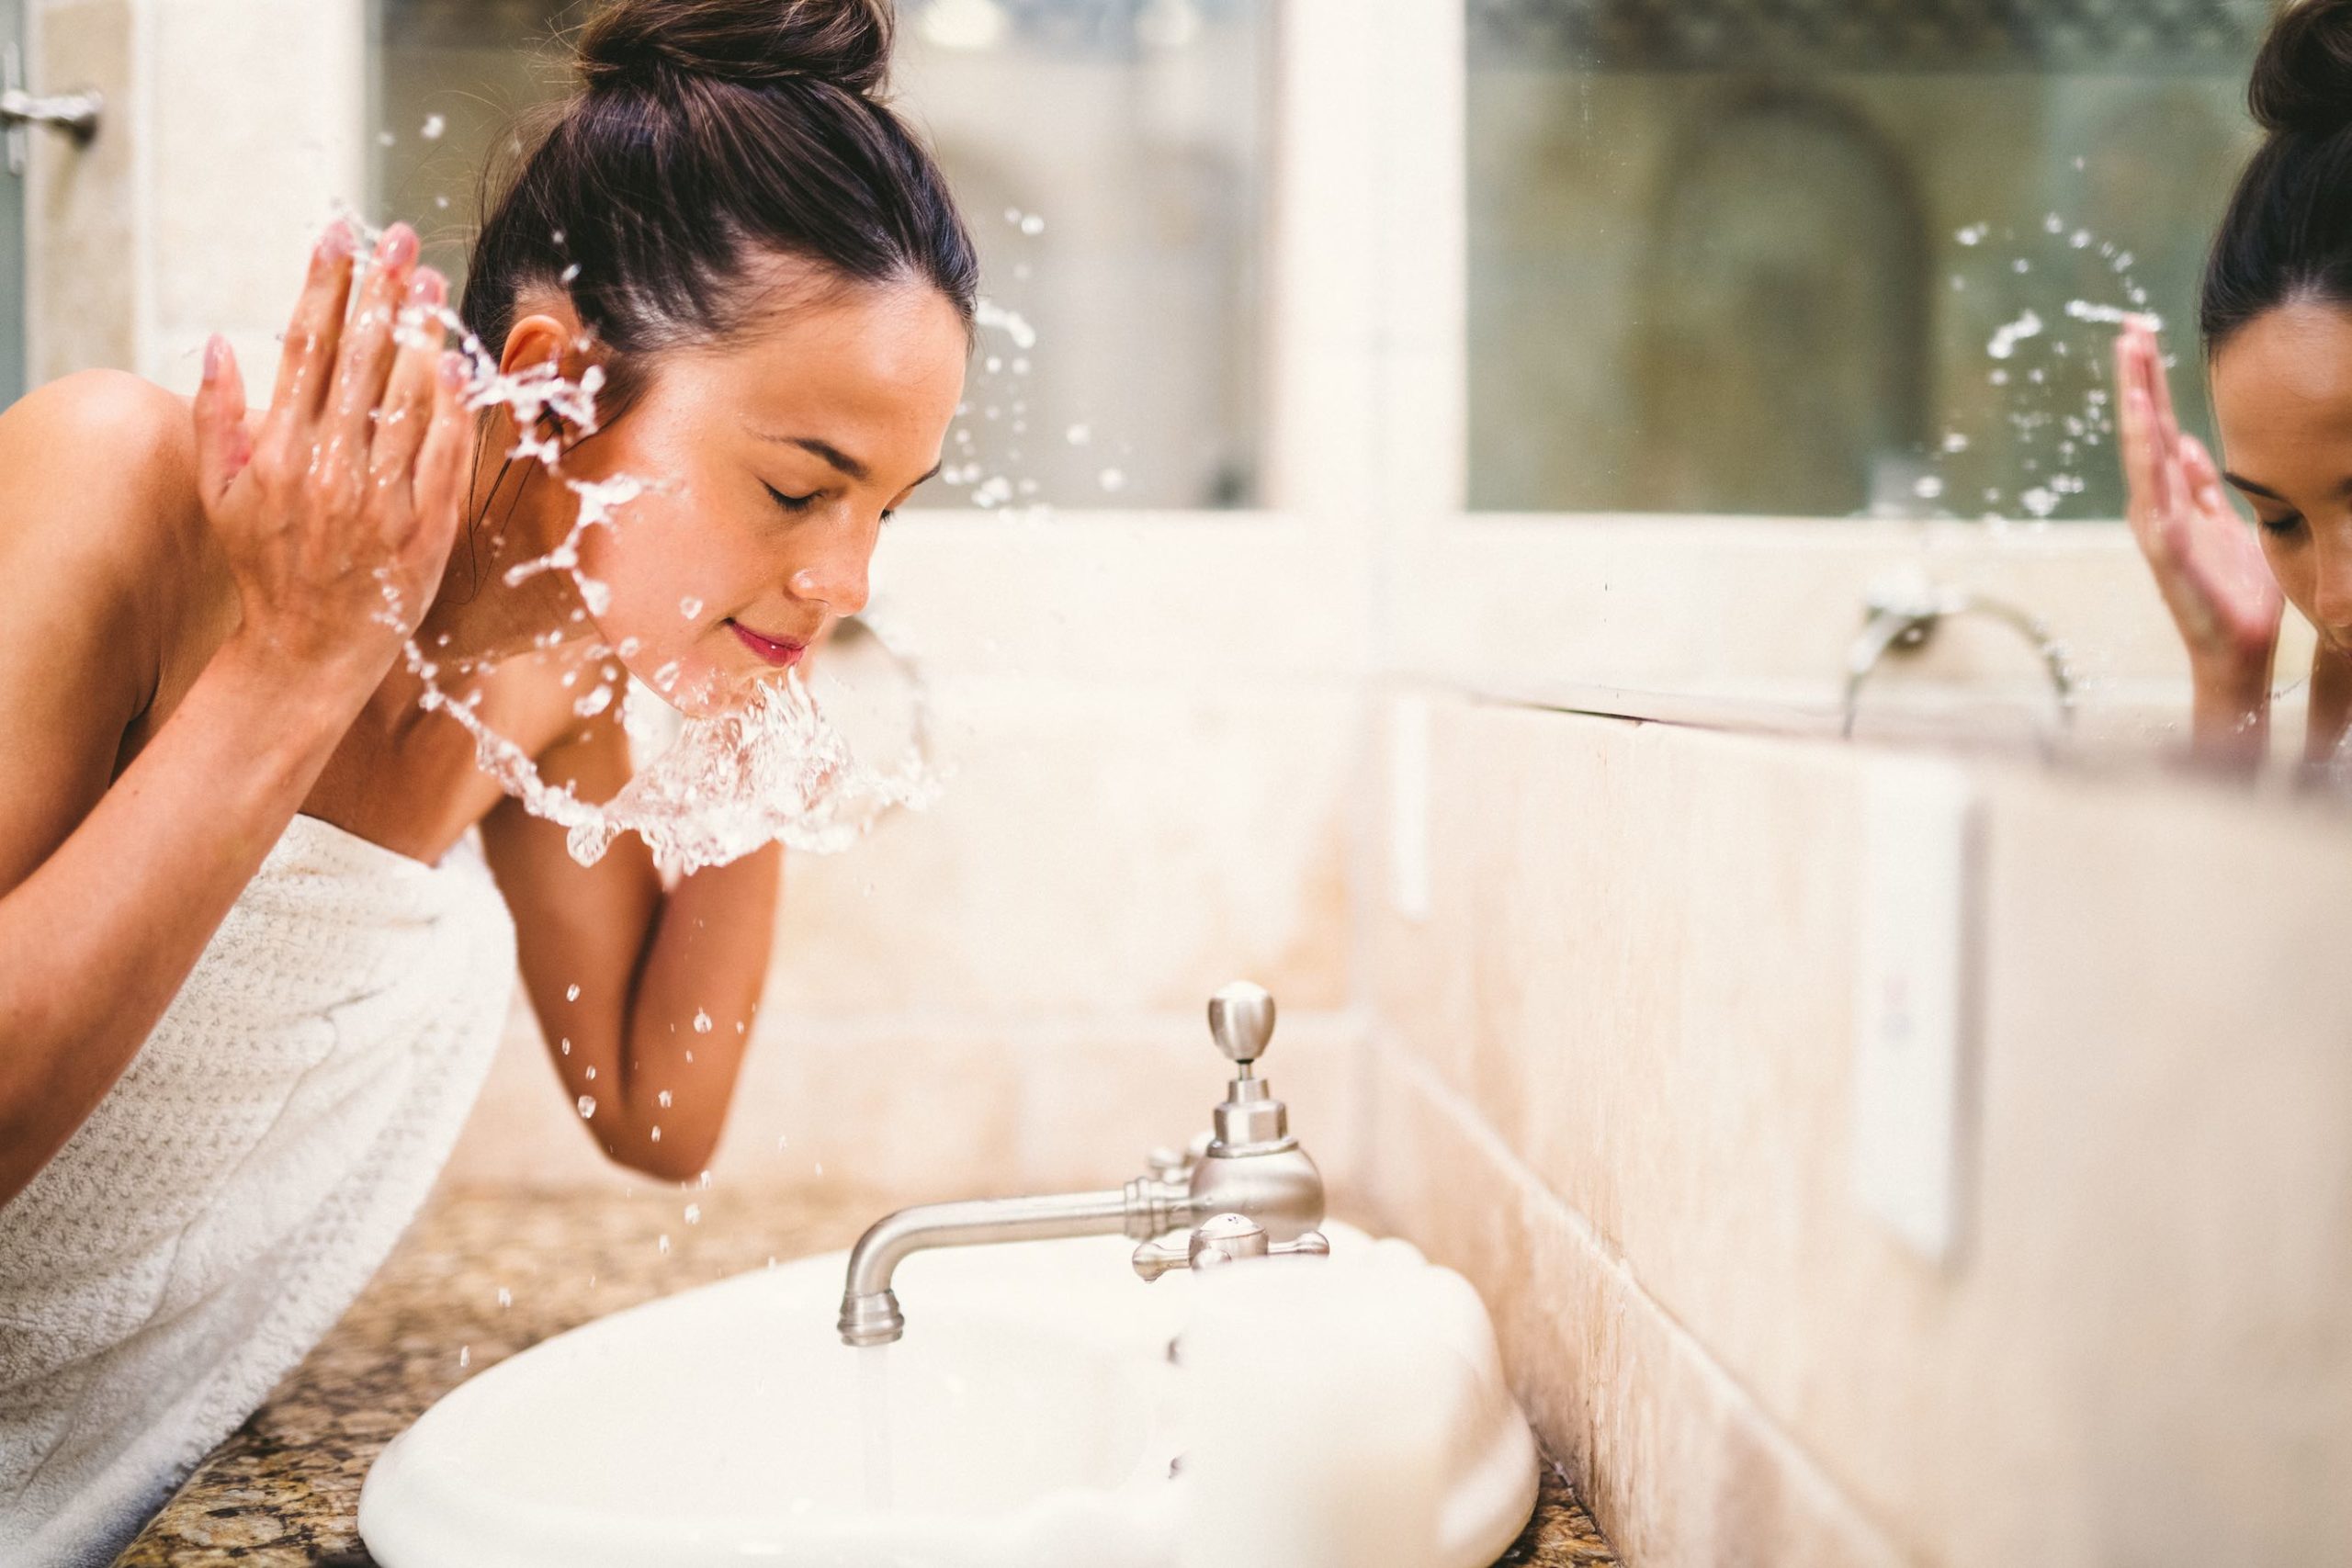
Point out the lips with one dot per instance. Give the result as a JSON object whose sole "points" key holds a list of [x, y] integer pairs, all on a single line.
{"points": [[779, 651]]}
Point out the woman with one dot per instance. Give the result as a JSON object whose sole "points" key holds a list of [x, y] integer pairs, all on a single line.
{"points": [[2277, 320], [249, 978]]}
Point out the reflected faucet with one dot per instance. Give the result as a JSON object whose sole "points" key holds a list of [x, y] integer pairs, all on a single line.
{"points": [[1900, 618], [1249, 1167]]}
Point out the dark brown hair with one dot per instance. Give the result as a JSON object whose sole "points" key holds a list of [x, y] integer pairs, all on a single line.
{"points": [[2287, 233], [708, 137]]}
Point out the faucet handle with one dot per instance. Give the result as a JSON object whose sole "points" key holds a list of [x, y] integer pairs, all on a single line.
{"points": [[1222, 1239], [1241, 1019]]}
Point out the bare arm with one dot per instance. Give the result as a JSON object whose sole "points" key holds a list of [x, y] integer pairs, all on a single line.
{"points": [[109, 891], [647, 965]]}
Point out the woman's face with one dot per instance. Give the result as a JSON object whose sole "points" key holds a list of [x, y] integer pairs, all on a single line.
{"points": [[2282, 403], [770, 463]]}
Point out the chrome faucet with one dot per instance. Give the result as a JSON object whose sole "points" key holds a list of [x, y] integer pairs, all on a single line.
{"points": [[1249, 1179]]}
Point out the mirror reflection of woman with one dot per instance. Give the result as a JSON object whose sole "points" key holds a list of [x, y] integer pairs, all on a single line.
{"points": [[2276, 318], [251, 969]]}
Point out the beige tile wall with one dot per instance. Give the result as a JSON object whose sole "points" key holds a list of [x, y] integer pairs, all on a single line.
{"points": [[1613, 1081]]}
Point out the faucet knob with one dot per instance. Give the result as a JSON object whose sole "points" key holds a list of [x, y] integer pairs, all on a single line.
{"points": [[1221, 1239], [1241, 1019]]}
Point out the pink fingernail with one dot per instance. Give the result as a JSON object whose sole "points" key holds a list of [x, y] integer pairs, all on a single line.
{"points": [[426, 287], [335, 244], [212, 347]]}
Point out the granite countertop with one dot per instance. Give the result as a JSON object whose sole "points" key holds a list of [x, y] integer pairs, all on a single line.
{"points": [[482, 1276]]}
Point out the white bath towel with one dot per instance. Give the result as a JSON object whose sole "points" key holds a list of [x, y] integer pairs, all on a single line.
{"points": [[236, 1187]]}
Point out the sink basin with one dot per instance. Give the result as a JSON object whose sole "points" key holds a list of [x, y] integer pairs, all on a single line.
{"points": [[1031, 1416]]}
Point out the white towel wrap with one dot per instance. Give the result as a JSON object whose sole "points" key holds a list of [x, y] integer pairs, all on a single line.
{"points": [[240, 1181]]}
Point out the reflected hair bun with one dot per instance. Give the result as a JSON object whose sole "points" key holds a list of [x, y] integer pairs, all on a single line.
{"points": [[2302, 78], [845, 43]]}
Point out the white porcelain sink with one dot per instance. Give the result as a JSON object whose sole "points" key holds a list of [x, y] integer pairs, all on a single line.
{"points": [[1029, 1417]]}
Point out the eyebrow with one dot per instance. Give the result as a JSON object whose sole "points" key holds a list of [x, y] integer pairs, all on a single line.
{"points": [[2253, 489], [829, 453], [843, 460]]}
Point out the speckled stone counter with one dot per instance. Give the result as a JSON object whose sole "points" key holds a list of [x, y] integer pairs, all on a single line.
{"points": [[479, 1278]]}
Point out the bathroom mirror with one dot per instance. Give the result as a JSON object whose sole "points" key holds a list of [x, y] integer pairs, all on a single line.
{"points": [[1788, 353]]}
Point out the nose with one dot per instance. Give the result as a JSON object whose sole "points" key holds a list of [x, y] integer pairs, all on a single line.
{"points": [[836, 577], [2332, 585]]}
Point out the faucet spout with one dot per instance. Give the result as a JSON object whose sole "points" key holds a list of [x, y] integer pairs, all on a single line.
{"points": [[1144, 1209]]}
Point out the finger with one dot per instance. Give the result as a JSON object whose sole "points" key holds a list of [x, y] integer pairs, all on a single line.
{"points": [[439, 483], [223, 446], [2140, 464], [406, 411], [2159, 389], [307, 363], [366, 361], [2204, 477]]}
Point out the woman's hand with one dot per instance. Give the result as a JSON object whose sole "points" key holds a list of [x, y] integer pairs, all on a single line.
{"points": [[336, 515], [2207, 561]]}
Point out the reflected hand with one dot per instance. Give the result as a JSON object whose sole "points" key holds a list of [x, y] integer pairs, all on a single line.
{"points": [[2206, 559], [339, 511]]}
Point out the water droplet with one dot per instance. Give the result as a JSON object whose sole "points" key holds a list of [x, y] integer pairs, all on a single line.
{"points": [[1032, 225], [566, 1043], [571, 993], [465, 1355], [702, 1021], [1973, 235], [506, 1297], [690, 606], [694, 1214], [385, 138], [1928, 487], [662, 1099], [664, 1242], [1114, 479], [657, 1134], [1955, 442], [587, 1106], [2006, 339], [433, 127], [1078, 435]]}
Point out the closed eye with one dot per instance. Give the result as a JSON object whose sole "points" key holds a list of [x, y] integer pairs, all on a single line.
{"points": [[791, 502], [2286, 525]]}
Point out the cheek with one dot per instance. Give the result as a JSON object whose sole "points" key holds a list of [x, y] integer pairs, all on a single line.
{"points": [[2292, 563]]}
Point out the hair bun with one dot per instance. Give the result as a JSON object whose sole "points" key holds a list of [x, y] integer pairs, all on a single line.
{"points": [[846, 42], [2302, 78]]}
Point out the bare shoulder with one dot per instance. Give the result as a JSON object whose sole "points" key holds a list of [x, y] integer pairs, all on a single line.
{"points": [[102, 455], [98, 510]]}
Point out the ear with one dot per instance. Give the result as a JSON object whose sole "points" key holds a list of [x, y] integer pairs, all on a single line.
{"points": [[550, 336]]}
